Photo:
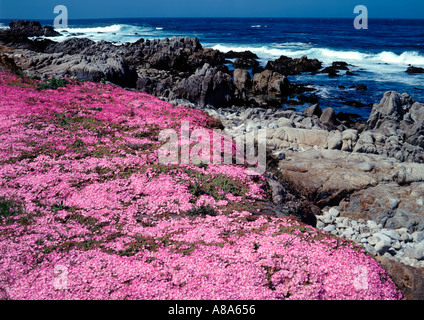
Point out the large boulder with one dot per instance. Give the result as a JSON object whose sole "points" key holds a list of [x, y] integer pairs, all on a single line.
{"points": [[272, 83], [243, 82], [207, 86], [400, 121], [289, 66], [408, 279]]}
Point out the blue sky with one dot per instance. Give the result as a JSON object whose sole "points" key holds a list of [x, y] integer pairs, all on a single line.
{"points": [[43, 9]]}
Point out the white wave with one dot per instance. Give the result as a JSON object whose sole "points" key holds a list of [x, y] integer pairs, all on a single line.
{"points": [[256, 26], [385, 61], [159, 28], [114, 33], [112, 28]]}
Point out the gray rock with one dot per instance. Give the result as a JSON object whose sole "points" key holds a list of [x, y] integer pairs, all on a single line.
{"points": [[328, 116], [348, 232], [329, 228], [415, 252], [320, 224], [369, 248], [269, 82], [418, 236], [373, 240], [314, 110], [382, 247], [242, 81], [391, 233], [383, 237]]}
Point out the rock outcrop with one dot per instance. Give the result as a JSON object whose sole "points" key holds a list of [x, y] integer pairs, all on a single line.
{"points": [[112, 68], [272, 83], [31, 29], [289, 66], [413, 70], [207, 86]]}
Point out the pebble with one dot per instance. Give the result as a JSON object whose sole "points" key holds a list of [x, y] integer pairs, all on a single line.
{"points": [[399, 244]]}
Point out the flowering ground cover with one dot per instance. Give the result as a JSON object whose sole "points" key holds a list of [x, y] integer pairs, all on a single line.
{"points": [[88, 212]]}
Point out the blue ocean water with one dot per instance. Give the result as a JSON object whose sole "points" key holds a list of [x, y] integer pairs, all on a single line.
{"points": [[378, 56]]}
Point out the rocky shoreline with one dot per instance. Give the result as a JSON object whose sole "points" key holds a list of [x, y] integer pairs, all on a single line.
{"points": [[365, 179]]}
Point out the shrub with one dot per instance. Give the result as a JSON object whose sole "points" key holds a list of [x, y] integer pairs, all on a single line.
{"points": [[52, 83]]}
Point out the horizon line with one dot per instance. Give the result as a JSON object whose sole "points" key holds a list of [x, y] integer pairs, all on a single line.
{"points": [[180, 17]]}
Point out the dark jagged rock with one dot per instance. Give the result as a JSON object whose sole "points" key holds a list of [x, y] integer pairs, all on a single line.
{"points": [[154, 86], [8, 64], [71, 46], [243, 82], [308, 99], [289, 66], [361, 87], [354, 103], [31, 29], [244, 55], [207, 86], [340, 65], [332, 72], [413, 70], [245, 63], [335, 67], [18, 41]]}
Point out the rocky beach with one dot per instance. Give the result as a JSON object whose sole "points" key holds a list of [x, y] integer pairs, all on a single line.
{"points": [[358, 180]]}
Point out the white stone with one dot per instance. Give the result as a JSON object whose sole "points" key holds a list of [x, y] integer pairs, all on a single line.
{"points": [[406, 237], [372, 224], [334, 212], [329, 228], [418, 236], [391, 233], [372, 240], [383, 237], [348, 232]]}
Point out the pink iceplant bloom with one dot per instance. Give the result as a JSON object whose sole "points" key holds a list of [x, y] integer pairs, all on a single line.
{"points": [[89, 213]]}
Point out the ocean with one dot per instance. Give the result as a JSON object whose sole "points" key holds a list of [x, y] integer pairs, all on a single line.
{"points": [[378, 56]]}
